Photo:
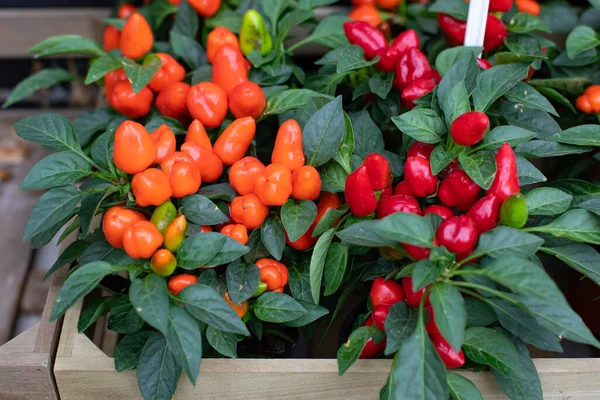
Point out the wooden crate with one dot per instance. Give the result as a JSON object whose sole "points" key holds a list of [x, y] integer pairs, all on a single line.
{"points": [[83, 371]]}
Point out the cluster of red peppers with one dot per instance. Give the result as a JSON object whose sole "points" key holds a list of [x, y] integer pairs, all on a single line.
{"points": [[454, 30]]}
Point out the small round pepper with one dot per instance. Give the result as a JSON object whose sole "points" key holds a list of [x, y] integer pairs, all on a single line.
{"points": [[415, 90], [175, 233], [125, 10], [420, 149], [247, 100], [248, 211], [182, 173], [217, 38], [132, 105], [163, 262], [359, 193], [111, 79], [237, 232], [205, 8], [485, 213], [151, 187], [418, 176], [469, 128], [134, 149], [169, 72], [243, 173], [440, 210], [197, 134], [180, 282], [589, 101], [366, 13], [386, 292], [141, 240], [163, 215], [116, 221], [207, 103], [380, 173], [306, 183], [371, 348], [137, 38], [210, 166], [288, 146], [457, 234], [506, 181], [235, 140], [459, 190], [412, 65], [274, 186], [273, 273], [529, 6], [172, 101], [513, 212], [397, 203], [164, 138]]}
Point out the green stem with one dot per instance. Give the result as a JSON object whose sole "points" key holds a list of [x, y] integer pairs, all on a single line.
{"points": [[297, 44], [478, 287], [173, 297]]}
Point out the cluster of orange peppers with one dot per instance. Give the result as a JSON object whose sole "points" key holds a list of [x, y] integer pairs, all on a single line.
{"points": [[589, 101]]}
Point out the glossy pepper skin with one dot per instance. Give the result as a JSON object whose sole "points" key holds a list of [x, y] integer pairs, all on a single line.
{"points": [[243, 173], [134, 149], [457, 234], [182, 173], [366, 13], [205, 8], [359, 194], [151, 187], [237, 232], [288, 146], [431, 327], [484, 64], [397, 203], [469, 128], [111, 38], [371, 348], [415, 90], [116, 221], [254, 35], [380, 313], [386, 292], [380, 173], [207, 103], [249, 211], [529, 6], [180, 282], [416, 252], [450, 358], [164, 138], [485, 213], [458, 190], [197, 134], [391, 54], [175, 233], [235, 140], [513, 212], [440, 210], [172, 101], [589, 101], [132, 105], [125, 10], [111, 79], [210, 166], [412, 65], [500, 5], [274, 186], [163, 262], [141, 240], [306, 183], [420, 149], [217, 38], [368, 38], [273, 273], [413, 299], [163, 215], [137, 38], [495, 33], [418, 175], [169, 72], [247, 100], [229, 68], [454, 30], [506, 181], [240, 309]]}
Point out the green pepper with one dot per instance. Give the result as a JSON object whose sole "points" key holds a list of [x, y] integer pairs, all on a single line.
{"points": [[163, 215], [513, 212], [262, 287], [254, 34]]}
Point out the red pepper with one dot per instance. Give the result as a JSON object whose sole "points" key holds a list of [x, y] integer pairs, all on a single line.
{"points": [[452, 167], [450, 358], [380, 313], [371, 348], [435, 76], [416, 252], [469, 128], [412, 65], [416, 90], [495, 33], [402, 188], [386, 192], [388, 59], [500, 5], [368, 38], [442, 211], [397, 203], [457, 234], [413, 299], [506, 181], [359, 193], [379, 170], [458, 190], [406, 40], [484, 64], [420, 149], [431, 326], [486, 213], [385, 292], [454, 30], [418, 175], [391, 54]]}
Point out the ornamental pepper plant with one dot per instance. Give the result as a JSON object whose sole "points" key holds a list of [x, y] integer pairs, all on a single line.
{"points": [[233, 192]]}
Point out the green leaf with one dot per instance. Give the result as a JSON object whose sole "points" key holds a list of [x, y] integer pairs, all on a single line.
{"points": [[526, 118], [209, 249], [405, 228], [299, 282], [52, 130], [381, 86], [328, 219], [581, 135], [547, 201], [187, 20], [278, 307], [292, 19], [94, 310], [317, 263], [200, 210], [481, 167], [101, 250], [504, 242], [512, 135], [461, 388], [80, 283], [314, 312], [367, 135], [343, 155], [399, 325], [478, 312], [580, 39], [353, 57], [102, 66], [495, 82], [149, 297], [206, 305], [424, 272], [68, 256], [581, 257], [223, 342], [465, 69], [58, 169], [363, 234], [449, 312], [51, 41], [88, 123], [140, 75], [421, 124], [129, 349], [123, 317], [528, 173], [185, 341], [526, 95], [329, 32], [441, 158], [157, 370], [202, 74], [456, 8], [297, 217], [447, 58], [289, 100], [40, 80], [102, 151], [350, 351], [323, 133], [569, 85], [546, 149], [524, 23], [456, 103], [188, 49], [68, 44], [273, 236], [593, 205], [242, 281], [333, 177], [490, 347], [53, 207], [575, 225], [335, 267], [227, 18]]}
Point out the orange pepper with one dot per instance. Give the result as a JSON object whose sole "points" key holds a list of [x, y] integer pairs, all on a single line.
{"points": [[164, 138], [136, 37], [111, 38], [273, 273], [589, 101], [172, 100], [388, 4], [306, 183], [183, 174], [180, 282], [197, 134], [116, 221], [240, 309], [205, 8], [367, 13], [243, 173], [235, 140], [529, 6], [248, 211], [163, 262], [247, 100], [210, 166], [111, 79], [132, 105], [141, 240], [237, 232], [229, 68], [125, 10], [288, 146], [304, 242], [151, 187], [207, 103], [217, 38], [175, 233], [134, 149], [169, 72], [274, 186], [205, 228]]}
